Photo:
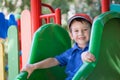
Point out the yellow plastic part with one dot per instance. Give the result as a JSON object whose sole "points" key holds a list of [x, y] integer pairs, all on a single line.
{"points": [[2, 72]]}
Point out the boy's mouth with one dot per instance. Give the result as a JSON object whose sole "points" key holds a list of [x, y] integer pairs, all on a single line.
{"points": [[81, 38]]}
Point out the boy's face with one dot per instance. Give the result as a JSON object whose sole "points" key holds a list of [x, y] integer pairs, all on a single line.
{"points": [[80, 33]]}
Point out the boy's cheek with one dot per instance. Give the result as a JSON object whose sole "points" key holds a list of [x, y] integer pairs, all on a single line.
{"points": [[71, 36]]}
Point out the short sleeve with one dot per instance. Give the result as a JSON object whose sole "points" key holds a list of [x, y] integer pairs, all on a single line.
{"points": [[63, 58]]}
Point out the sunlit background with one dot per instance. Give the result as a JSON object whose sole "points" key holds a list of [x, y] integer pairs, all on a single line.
{"points": [[68, 7]]}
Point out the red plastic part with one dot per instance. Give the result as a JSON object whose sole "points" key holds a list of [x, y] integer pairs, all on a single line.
{"points": [[105, 5], [35, 13], [26, 36], [58, 16]]}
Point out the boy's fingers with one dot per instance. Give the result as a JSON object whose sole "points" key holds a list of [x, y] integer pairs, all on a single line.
{"points": [[87, 56], [91, 58], [28, 76]]}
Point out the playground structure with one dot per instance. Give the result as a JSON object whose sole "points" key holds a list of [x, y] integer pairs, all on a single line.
{"points": [[2, 61], [104, 44], [4, 25], [34, 20]]}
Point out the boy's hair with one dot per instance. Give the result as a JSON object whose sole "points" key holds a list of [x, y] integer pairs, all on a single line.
{"points": [[80, 17]]}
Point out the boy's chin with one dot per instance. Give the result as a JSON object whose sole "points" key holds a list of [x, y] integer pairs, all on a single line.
{"points": [[82, 42]]}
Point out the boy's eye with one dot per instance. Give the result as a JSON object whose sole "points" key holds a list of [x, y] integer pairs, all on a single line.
{"points": [[85, 29], [76, 30]]}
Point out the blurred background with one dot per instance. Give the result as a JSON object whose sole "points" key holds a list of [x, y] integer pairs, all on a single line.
{"points": [[68, 7]]}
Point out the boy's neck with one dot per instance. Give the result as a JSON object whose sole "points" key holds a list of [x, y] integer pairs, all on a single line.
{"points": [[82, 46]]}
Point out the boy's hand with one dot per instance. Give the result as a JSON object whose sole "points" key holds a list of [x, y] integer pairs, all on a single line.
{"points": [[29, 68], [87, 56]]}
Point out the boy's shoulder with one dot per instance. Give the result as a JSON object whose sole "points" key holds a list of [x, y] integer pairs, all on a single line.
{"points": [[69, 51]]}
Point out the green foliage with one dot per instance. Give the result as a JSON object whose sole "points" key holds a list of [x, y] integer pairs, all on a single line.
{"points": [[15, 6], [62, 4], [91, 7], [115, 1]]}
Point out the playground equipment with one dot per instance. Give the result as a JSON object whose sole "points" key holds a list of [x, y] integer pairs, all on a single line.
{"points": [[115, 7], [5, 24], [13, 53], [104, 38], [105, 28], [104, 44], [88, 68], [2, 55], [48, 41], [37, 16], [107, 6], [4, 27], [34, 19], [30, 22]]}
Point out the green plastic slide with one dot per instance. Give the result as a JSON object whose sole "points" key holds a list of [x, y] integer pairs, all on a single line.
{"points": [[105, 45], [48, 41]]}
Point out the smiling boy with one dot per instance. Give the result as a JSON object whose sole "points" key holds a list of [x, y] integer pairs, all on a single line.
{"points": [[80, 28]]}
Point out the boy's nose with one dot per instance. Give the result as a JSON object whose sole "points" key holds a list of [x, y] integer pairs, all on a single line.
{"points": [[80, 32]]}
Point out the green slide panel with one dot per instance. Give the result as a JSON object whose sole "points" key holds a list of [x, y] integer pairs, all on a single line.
{"points": [[105, 45], [48, 41]]}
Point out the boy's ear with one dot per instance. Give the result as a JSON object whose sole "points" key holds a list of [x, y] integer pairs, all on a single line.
{"points": [[71, 35]]}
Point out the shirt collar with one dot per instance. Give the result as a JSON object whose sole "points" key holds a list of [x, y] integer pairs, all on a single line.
{"points": [[75, 47]]}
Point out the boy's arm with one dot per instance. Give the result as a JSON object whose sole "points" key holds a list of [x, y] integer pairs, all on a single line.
{"points": [[47, 63]]}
